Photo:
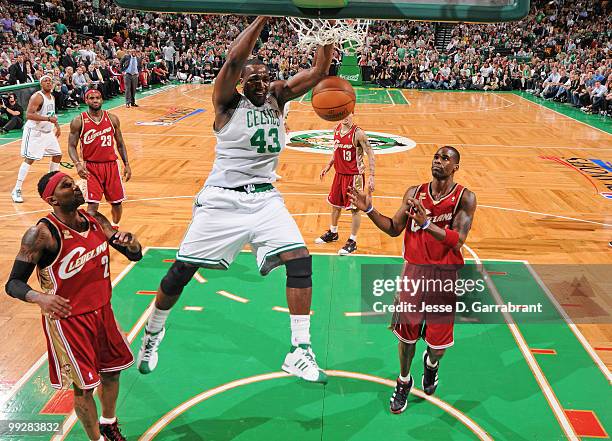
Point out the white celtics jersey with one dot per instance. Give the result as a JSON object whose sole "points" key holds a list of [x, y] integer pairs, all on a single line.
{"points": [[248, 145], [47, 109]]}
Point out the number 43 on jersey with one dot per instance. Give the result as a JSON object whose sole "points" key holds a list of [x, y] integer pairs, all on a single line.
{"points": [[261, 140]]}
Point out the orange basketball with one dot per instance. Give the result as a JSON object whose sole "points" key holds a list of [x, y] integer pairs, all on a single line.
{"points": [[333, 99]]}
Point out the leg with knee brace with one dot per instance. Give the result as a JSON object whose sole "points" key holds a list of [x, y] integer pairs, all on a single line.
{"points": [[299, 272], [177, 277]]}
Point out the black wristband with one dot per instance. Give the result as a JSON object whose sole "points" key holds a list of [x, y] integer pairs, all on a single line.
{"points": [[133, 256], [17, 285]]}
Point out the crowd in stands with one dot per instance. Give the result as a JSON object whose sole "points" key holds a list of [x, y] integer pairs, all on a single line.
{"points": [[562, 51]]}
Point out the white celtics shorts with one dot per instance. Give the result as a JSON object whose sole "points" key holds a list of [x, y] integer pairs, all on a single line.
{"points": [[36, 144], [224, 221]]}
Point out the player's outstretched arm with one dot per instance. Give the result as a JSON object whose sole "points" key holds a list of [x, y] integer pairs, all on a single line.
{"points": [[306, 79], [121, 148], [34, 242], [392, 226], [73, 141], [224, 92], [456, 236], [124, 242]]}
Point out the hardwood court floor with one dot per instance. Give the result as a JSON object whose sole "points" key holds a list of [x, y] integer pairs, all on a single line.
{"points": [[532, 206]]}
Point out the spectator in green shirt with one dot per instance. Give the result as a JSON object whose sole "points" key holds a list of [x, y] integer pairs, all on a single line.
{"points": [[60, 27], [401, 53]]}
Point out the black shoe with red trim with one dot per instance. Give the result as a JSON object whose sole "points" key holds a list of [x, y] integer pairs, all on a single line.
{"points": [[111, 432]]}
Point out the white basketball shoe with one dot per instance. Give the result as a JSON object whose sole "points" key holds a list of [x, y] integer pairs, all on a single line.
{"points": [[301, 362], [147, 356]]}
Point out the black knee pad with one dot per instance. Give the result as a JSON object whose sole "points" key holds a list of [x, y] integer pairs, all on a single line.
{"points": [[179, 275], [299, 272]]}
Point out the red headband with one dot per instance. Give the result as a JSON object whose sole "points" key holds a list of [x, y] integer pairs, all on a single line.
{"points": [[90, 91], [52, 184]]}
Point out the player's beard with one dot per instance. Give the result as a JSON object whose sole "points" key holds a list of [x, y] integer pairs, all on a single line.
{"points": [[75, 203]]}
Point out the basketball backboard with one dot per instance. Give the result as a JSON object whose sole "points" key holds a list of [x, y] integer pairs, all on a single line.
{"points": [[431, 10]]}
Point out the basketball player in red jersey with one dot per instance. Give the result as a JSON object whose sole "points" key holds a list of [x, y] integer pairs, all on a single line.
{"points": [[99, 133], [437, 217], [86, 349], [350, 143]]}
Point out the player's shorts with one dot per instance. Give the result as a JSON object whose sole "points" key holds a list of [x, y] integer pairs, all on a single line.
{"points": [[36, 144], [83, 346], [432, 314], [224, 221], [104, 178], [338, 194]]}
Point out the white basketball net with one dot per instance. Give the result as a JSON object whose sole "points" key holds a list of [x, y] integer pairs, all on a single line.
{"points": [[349, 33]]}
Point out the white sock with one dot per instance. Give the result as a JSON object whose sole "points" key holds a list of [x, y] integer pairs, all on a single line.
{"points": [[54, 166], [99, 439], [353, 237], [113, 224], [429, 364], [333, 228], [405, 379], [300, 329], [23, 172], [107, 420], [157, 320]]}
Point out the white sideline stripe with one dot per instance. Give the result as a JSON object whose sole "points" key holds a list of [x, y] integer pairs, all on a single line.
{"points": [[581, 338], [193, 308], [390, 97], [24, 379], [530, 359], [159, 425], [362, 314], [404, 96], [72, 418], [229, 295], [199, 278]]}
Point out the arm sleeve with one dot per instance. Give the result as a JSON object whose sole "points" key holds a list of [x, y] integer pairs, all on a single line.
{"points": [[17, 285]]}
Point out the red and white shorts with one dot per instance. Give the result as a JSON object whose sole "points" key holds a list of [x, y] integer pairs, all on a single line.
{"points": [[104, 178], [82, 346], [338, 194], [433, 313]]}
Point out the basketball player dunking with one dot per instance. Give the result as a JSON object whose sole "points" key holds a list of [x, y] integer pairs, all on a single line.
{"points": [[239, 204], [86, 349], [437, 217], [99, 133], [350, 143], [40, 134]]}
